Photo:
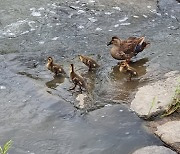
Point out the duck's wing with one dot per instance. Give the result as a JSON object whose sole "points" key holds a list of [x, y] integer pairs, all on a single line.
{"points": [[127, 47]]}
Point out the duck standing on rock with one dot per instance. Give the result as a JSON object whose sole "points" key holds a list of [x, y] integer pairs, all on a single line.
{"points": [[76, 79], [126, 49], [124, 67], [55, 68], [92, 64]]}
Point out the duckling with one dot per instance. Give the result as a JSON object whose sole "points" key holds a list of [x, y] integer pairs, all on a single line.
{"points": [[76, 79], [126, 49], [55, 68], [89, 62], [124, 67]]}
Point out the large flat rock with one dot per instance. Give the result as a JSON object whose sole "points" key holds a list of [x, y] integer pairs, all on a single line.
{"points": [[154, 150], [169, 133], [154, 98]]}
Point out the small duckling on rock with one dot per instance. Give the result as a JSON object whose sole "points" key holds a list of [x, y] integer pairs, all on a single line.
{"points": [[76, 79], [89, 62], [124, 67], [55, 68]]}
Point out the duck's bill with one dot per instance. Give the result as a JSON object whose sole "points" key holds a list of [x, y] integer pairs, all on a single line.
{"points": [[109, 43]]}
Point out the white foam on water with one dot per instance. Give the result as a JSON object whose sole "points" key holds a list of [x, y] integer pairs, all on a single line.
{"points": [[54, 5], [25, 32], [14, 29], [148, 6], [80, 11], [2, 87], [32, 9], [36, 14], [117, 8], [52, 12], [41, 8], [108, 105], [49, 25], [81, 27], [98, 29], [41, 42], [125, 24], [108, 13], [159, 14], [145, 16], [69, 16], [136, 16], [173, 17], [117, 25], [123, 19], [110, 30], [55, 38], [92, 19], [92, 1]]}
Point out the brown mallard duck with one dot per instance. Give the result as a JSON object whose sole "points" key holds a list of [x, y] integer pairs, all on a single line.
{"points": [[124, 67], [55, 68], [126, 49], [92, 64], [76, 79]]}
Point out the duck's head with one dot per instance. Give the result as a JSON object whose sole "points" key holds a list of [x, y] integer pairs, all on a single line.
{"points": [[123, 66], [71, 67], [81, 57], [115, 41], [50, 59]]}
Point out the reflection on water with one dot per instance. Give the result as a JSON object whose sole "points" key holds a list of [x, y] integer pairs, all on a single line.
{"points": [[138, 66], [55, 82], [90, 78], [120, 89]]}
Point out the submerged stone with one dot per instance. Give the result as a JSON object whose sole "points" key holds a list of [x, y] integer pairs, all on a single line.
{"points": [[155, 150]]}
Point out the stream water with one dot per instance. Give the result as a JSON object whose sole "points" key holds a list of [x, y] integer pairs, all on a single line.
{"points": [[38, 112]]}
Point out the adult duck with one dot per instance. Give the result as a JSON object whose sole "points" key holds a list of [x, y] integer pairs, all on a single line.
{"points": [[126, 49]]}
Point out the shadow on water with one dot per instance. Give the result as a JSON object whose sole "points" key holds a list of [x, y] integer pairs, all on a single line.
{"points": [[55, 82], [35, 77]]}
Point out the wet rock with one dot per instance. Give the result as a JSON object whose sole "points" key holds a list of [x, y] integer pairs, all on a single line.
{"points": [[169, 133], [154, 98], [155, 150], [81, 98]]}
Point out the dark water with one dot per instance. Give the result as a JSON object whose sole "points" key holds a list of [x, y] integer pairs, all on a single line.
{"points": [[38, 112]]}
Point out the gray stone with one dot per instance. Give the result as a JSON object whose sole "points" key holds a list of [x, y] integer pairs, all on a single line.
{"points": [[155, 97], [169, 133], [155, 150]]}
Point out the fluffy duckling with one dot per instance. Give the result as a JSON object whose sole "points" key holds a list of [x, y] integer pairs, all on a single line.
{"points": [[55, 68], [76, 79], [89, 62], [124, 67], [126, 49]]}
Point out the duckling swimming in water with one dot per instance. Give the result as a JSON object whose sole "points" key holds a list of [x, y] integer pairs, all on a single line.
{"points": [[126, 49], [55, 68], [124, 67], [76, 79], [92, 64]]}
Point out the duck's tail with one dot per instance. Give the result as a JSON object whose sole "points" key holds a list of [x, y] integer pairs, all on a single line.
{"points": [[141, 45]]}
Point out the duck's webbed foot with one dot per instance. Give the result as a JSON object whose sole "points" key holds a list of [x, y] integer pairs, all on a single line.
{"points": [[73, 87]]}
